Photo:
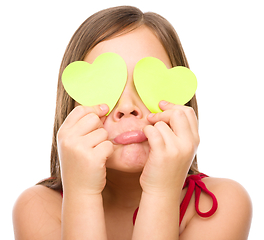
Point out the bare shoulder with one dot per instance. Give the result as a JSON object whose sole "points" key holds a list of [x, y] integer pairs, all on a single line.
{"points": [[230, 194], [233, 216], [226, 188], [36, 214]]}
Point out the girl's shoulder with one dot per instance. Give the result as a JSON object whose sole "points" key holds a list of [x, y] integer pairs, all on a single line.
{"points": [[36, 207], [234, 211], [227, 192]]}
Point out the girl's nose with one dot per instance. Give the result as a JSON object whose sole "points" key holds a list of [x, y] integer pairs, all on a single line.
{"points": [[127, 106]]}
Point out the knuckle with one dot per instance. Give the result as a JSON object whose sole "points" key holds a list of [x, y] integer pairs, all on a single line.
{"points": [[190, 110], [64, 140], [66, 143], [190, 146], [178, 113], [80, 110], [94, 120], [60, 134]]}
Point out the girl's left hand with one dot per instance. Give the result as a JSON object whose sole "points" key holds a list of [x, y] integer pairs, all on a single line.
{"points": [[173, 141]]}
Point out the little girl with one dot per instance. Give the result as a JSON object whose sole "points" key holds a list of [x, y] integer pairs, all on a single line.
{"points": [[131, 174]]}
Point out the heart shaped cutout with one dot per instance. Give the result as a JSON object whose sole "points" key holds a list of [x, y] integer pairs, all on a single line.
{"points": [[103, 81], [155, 82]]}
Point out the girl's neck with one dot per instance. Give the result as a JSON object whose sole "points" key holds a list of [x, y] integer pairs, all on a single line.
{"points": [[122, 189]]}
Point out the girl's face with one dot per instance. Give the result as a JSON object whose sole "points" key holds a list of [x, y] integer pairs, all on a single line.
{"points": [[127, 120]]}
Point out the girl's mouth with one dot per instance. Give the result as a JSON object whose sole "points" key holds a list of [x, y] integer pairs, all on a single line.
{"points": [[135, 136]]}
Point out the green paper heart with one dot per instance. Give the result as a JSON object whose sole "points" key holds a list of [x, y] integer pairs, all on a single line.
{"points": [[103, 81], [155, 82]]}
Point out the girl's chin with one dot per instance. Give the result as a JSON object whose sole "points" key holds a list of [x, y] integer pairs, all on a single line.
{"points": [[129, 158]]}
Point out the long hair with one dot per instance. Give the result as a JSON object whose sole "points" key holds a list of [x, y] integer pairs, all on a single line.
{"points": [[101, 26]]}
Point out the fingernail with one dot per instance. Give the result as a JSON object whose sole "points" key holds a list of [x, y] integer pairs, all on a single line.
{"points": [[103, 107], [163, 102], [151, 115]]}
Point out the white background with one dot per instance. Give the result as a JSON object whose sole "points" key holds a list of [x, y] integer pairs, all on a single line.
{"points": [[223, 41]]}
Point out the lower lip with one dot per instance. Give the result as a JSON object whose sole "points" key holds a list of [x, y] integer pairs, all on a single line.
{"points": [[130, 137]]}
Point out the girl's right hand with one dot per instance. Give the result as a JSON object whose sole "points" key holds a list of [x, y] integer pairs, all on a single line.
{"points": [[83, 149]]}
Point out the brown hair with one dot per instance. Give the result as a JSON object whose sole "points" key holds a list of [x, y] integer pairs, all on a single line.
{"points": [[101, 26]]}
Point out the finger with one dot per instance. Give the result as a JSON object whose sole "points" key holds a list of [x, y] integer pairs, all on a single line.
{"points": [[180, 124], [165, 116], [86, 125], [96, 137], [189, 111], [104, 150], [193, 121], [168, 135], [155, 139], [80, 111], [176, 119]]}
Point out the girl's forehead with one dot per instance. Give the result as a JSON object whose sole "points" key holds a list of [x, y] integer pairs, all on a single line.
{"points": [[132, 47]]}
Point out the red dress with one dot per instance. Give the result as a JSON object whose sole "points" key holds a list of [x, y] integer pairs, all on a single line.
{"points": [[193, 183]]}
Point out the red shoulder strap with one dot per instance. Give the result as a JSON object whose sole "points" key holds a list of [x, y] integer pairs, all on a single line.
{"points": [[194, 183]]}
